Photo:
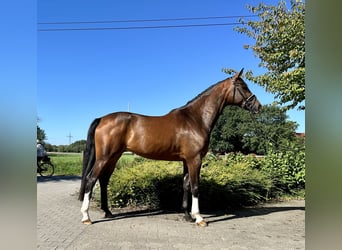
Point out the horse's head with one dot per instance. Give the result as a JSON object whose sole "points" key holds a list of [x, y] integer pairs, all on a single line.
{"points": [[242, 96]]}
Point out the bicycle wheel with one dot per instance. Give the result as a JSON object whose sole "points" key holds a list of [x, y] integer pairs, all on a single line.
{"points": [[46, 169]]}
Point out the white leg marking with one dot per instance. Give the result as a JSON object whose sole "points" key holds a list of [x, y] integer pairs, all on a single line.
{"points": [[85, 207], [195, 210]]}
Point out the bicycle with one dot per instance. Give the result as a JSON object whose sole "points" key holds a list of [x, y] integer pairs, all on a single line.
{"points": [[45, 167]]}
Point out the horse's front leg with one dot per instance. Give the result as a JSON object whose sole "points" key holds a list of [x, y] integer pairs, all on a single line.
{"points": [[194, 173], [195, 213]]}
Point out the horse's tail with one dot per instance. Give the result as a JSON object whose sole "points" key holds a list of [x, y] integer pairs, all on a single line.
{"points": [[88, 157]]}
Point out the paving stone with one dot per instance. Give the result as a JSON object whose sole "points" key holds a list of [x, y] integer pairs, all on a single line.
{"points": [[274, 226]]}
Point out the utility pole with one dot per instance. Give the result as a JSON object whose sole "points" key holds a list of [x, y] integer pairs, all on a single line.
{"points": [[70, 136]]}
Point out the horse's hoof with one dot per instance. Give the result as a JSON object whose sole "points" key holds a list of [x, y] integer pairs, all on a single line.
{"points": [[87, 222], [202, 223], [189, 218], [109, 215]]}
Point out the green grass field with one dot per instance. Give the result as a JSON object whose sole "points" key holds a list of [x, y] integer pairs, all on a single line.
{"points": [[71, 164]]}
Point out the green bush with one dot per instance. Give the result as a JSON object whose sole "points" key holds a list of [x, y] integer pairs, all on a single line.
{"points": [[230, 181], [286, 170], [158, 184], [237, 158], [231, 185], [145, 183]]}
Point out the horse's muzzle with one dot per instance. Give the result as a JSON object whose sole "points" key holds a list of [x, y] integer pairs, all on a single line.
{"points": [[256, 108], [252, 104]]}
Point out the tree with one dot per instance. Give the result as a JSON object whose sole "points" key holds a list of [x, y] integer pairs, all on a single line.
{"points": [[50, 148], [77, 146], [40, 134], [280, 45], [227, 134], [270, 129], [236, 130]]}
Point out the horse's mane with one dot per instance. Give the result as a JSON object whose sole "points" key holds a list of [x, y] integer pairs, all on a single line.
{"points": [[200, 95]]}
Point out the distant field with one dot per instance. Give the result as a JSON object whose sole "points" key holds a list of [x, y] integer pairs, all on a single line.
{"points": [[71, 163]]}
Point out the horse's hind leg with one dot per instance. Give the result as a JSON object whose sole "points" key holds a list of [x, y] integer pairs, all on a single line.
{"points": [[99, 167], [104, 179], [91, 180], [186, 190]]}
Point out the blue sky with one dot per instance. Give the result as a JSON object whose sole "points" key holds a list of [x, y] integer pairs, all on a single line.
{"points": [[86, 74]]}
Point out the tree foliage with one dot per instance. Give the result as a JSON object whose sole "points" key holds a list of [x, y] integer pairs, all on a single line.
{"points": [[41, 136], [237, 131], [75, 147], [280, 45]]}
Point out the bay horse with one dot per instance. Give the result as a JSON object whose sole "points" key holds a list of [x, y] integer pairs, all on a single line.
{"points": [[181, 135]]}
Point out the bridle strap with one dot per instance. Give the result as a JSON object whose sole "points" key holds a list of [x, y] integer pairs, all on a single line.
{"points": [[247, 100], [234, 92], [250, 98]]}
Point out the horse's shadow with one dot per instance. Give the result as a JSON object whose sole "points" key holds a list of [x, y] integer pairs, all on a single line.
{"points": [[249, 212], [58, 178], [210, 217], [131, 214]]}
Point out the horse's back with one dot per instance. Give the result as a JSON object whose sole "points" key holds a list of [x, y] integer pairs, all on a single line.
{"points": [[148, 136]]}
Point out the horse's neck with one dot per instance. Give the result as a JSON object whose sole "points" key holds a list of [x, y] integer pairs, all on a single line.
{"points": [[208, 107]]}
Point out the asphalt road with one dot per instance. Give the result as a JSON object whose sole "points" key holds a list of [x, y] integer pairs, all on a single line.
{"points": [[272, 226]]}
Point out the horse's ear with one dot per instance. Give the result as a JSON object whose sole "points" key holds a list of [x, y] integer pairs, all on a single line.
{"points": [[237, 75]]}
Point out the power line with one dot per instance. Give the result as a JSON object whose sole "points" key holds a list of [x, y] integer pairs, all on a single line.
{"points": [[145, 20], [140, 27]]}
